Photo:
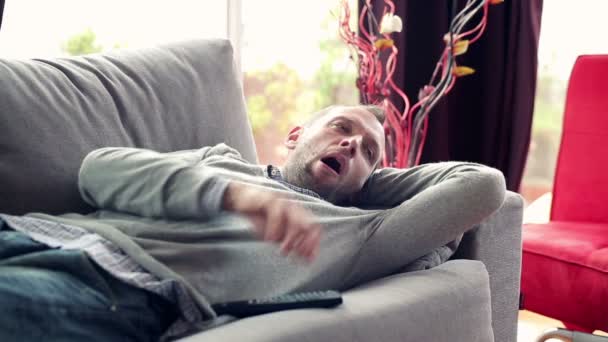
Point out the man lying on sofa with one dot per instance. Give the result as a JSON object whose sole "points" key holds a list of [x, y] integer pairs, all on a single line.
{"points": [[176, 232]]}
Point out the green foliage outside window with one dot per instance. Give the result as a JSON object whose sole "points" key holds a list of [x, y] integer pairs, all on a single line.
{"points": [[85, 43], [289, 99], [82, 44]]}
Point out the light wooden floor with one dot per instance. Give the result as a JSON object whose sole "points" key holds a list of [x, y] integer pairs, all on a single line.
{"points": [[531, 325]]}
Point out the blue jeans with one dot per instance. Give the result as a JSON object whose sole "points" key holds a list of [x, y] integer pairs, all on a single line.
{"points": [[49, 294]]}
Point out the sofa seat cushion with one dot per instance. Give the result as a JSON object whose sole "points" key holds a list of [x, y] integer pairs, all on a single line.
{"points": [[565, 271], [450, 302]]}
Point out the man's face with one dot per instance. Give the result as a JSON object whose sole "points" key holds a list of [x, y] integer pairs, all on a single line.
{"points": [[336, 154]]}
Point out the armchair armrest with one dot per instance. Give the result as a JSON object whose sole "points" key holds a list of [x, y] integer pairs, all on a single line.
{"points": [[497, 243]]}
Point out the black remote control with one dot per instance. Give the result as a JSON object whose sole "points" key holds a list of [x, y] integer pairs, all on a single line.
{"points": [[245, 308]]}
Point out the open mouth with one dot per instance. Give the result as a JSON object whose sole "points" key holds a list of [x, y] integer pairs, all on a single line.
{"points": [[333, 163]]}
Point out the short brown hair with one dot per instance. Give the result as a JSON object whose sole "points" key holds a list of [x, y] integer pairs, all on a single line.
{"points": [[377, 111]]}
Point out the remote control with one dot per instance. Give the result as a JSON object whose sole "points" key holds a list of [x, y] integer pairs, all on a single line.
{"points": [[252, 307]]}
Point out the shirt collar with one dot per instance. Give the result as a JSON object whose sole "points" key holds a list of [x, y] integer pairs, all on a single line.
{"points": [[274, 173]]}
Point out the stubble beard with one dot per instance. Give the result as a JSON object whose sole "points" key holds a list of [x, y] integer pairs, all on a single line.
{"points": [[298, 171]]}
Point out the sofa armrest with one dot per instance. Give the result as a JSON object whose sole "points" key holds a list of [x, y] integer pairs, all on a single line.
{"points": [[497, 243]]}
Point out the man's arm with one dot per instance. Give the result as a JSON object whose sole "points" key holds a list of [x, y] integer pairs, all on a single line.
{"points": [[151, 184], [389, 187], [436, 204], [176, 186], [275, 219]]}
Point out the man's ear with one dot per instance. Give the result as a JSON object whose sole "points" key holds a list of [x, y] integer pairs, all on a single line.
{"points": [[293, 136]]}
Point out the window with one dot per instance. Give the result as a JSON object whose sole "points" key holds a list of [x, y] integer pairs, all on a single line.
{"points": [[292, 60], [565, 34], [293, 64], [39, 28]]}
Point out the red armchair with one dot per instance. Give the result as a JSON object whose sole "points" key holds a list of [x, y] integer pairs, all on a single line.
{"points": [[565, 261]]}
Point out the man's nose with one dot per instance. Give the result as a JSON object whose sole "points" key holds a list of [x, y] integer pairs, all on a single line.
{"points": [[351, 143]]}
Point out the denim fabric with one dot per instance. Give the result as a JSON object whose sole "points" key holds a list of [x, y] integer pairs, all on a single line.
{"points": [[51, 294]]}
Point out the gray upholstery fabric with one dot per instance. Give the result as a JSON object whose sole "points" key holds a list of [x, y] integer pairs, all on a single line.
{"points": [[449, 303], [53, 112], [497, 243], [187, 95]]}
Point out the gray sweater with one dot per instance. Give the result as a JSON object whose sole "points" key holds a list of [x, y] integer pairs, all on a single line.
{"points": [[163, 209]]}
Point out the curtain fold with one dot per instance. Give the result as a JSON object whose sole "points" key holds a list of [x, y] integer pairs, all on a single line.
{"points": [[487, 117]]}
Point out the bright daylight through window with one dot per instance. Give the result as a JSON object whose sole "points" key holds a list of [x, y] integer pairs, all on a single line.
{"points": [[559, 46], [292, 63], [39, 28]]}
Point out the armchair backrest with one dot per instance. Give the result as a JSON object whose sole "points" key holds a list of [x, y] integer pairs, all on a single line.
{"points": [[580, 190]]}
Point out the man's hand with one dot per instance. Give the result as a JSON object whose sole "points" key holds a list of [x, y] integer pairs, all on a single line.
{"points": [[275, 219]]}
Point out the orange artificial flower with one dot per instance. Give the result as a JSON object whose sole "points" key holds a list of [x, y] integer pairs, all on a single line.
{"points": [[460, 47], [462, 71], [384, 43]]}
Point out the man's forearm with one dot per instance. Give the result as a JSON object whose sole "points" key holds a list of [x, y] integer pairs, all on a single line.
{"points": [[150, 184], [274, 218], [229, 196], [389, 187]]}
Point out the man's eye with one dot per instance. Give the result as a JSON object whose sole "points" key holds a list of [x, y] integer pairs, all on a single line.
{"points": [[341, 127]]}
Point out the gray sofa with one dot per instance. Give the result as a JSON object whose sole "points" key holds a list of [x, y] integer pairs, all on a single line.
{"points": [[187, 95]]}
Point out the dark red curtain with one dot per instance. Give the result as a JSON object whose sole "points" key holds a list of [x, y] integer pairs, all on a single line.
{"points": [[487, 117]]}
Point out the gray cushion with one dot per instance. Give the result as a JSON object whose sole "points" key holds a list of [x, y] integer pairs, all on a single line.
{"points": [[448, 303], [53, 112]]}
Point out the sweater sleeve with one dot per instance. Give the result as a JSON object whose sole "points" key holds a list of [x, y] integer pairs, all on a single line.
{"points": [[152, 184], [435, 204], [389, 187]]}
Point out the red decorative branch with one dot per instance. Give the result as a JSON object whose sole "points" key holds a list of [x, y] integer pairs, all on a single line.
{"points": [[405, 129]]}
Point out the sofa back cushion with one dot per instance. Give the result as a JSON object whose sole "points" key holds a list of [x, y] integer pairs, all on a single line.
{"points": [[54, 111]]}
